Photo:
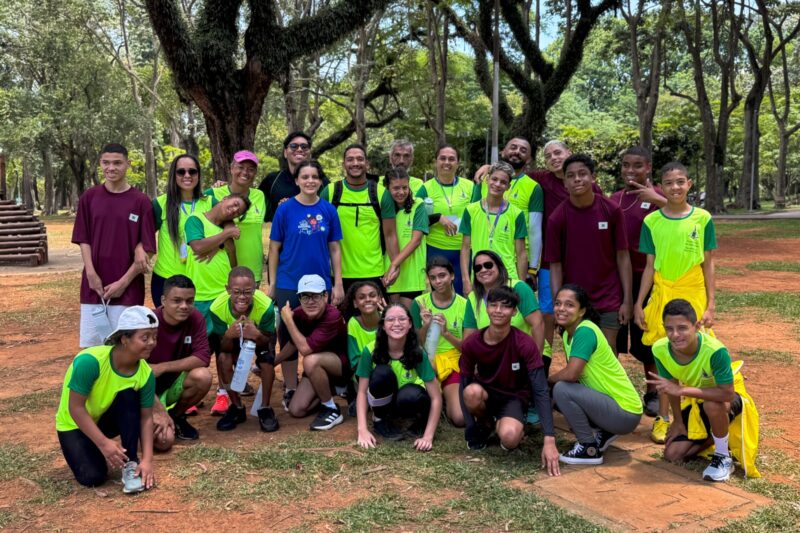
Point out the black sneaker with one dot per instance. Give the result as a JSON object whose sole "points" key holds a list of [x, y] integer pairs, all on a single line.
{"points": [[387, 430], [183, 429], [604, 439], [232, 418], [287, 398], [267, 420], [352, 411], [651, 403], [327, 418], [583, 454], [477, 437], [248, 390]]}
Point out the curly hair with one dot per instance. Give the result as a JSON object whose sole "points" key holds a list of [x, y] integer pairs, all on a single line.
{"points": [[412, 352], [591, 313], [350, 298]]}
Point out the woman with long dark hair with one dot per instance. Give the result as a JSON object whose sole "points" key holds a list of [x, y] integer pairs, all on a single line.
{"points": [[397, 381], [593, 390], [184, 198]]}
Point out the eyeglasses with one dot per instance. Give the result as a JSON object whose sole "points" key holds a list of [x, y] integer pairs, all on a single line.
{"points": [[299, 146], [310, 297], [237, 292], [184, 171], [398, 319], [477, 267]]}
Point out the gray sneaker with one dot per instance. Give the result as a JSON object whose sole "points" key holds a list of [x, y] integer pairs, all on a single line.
{"points": [[720, 469], [131, 483]]}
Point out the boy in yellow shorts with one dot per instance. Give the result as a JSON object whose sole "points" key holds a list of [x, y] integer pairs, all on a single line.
{"points": [[679, 240]]}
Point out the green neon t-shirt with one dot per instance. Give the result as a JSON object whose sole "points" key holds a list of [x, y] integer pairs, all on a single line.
{"points": [[524, 193], [250, 244], [711, 365], [262, 313], [362, 256], [678, 244], [603, 371], [449, 201], [358, 338], [168, 260], [412, 270], [209, 277], [453, 314], [92, 374], [496, 232], [419, 375]]}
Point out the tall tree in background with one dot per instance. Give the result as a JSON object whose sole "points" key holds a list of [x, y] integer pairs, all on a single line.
{"points": [[646, 77], [691, 20], [781, 105], [228, 83], [540, 81], [760, 62]]}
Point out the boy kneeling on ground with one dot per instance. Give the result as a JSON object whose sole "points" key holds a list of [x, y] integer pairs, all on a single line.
{"points": [[692, 364]]}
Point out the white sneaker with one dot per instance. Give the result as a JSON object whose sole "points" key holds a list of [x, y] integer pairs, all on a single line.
{"points": [[131, 483], [720, 469]]}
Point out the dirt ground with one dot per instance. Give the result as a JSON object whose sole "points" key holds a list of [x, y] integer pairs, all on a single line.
{"points": [[39, 338]]}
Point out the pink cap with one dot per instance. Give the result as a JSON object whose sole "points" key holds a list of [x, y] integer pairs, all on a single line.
{"points": [[245, 155]]}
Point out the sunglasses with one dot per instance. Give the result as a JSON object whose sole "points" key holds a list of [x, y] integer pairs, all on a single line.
{"points": [[184, 171], [299, 146], [477, 267]]}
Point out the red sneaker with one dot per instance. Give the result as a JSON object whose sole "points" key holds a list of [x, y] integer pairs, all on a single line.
{"points": [[221, 405]]}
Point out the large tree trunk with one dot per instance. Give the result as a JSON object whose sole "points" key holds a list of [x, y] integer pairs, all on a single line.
{"points": [[49, 182], [151, 176], [27, 183], [748, 196]]}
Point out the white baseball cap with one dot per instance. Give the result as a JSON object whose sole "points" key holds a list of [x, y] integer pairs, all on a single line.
{"points": [[311, 283], [135, 317]]}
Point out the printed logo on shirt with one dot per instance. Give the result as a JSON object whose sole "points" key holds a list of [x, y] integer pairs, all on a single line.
{"points": [[515, 366], [694, 234], [312, 224], [133, 218], [645, 205], [187, 339], [602, 225]]}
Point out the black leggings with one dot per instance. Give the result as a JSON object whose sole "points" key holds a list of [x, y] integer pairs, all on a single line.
{"points": [[85, 458], [409, 401]]}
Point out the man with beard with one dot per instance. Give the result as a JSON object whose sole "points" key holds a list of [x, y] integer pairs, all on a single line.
{"points": [[365, 210]]}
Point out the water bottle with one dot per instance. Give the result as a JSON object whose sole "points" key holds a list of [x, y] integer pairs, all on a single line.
{"points": [[432, 339], [246, 354], [428, 206]]}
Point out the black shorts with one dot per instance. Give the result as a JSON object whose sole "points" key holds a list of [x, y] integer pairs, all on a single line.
{"points": [[165, 381], [263, 355], [500, 405], [736, 408]]}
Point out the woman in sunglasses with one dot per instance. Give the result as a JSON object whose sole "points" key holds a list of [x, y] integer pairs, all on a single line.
{"points": [[184, 198], [488, 272]]}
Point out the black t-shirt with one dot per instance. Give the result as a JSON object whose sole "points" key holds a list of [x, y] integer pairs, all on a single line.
{"points": [[279, 186]]}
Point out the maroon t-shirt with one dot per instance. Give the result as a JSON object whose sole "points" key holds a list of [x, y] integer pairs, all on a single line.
{"points": [[503, 367], [182, 340], [325, 334], [585, 241], [113, 224], [634, 210], [555, 192]]}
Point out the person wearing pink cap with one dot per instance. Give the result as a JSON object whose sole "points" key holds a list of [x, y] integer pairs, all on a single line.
{"points": [[249, 247]]}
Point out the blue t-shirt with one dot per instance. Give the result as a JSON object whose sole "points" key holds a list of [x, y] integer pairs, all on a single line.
{"points": [[305, 231]]}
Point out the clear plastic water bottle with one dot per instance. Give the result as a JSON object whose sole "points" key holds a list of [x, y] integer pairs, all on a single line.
{"points": [[428, 202], [432, 339], [246, 354]]}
